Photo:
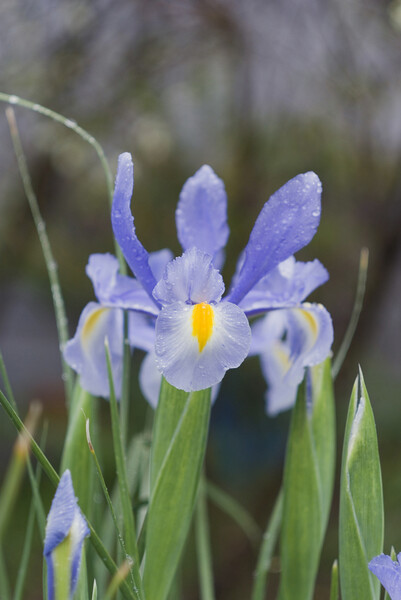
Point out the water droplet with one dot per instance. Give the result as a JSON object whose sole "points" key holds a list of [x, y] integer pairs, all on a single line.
{"points": [[13, 99]]}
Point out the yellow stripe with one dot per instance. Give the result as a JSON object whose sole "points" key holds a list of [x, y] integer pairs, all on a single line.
{"points": [[202, 323], [91, 322]]}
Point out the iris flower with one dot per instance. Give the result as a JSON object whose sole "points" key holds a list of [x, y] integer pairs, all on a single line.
{"points": [[295, 334], [66, 530], [177, 312], [388, 572], [199, 334]]}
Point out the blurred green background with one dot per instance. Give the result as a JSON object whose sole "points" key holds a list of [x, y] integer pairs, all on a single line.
{"points": [[261, 90]]}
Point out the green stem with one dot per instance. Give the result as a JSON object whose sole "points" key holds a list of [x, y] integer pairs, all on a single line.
{"points": [[231, 507], [128, 514], [54, 478], [356, 311], [267, 549], [51, 265], [203, 545], [51, 114]]}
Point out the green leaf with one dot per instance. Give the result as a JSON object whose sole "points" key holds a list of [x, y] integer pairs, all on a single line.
{"points": [[175, 481], [76, 455], [203, 547], [121, 467], [361, 500], [334, 581], [308, 483], [267, 549]]}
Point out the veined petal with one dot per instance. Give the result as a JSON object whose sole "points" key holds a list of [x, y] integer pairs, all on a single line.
{"points": [[115, 290], [85, 352], [64, 519], [288, 341], [190, 278], [286, 223], [150, 379], [389, 574], [183, 356], [123, 224], [201, 214], [286, 285]]}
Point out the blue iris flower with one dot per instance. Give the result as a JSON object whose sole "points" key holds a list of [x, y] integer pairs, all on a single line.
{"points": [[66, 530], [388, 572], [193, 334]]}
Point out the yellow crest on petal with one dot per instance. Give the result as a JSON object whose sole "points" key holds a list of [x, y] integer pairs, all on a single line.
{"points": [[202, 323], [91, 322]]}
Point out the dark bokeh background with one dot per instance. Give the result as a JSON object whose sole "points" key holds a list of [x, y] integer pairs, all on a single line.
{"points": [[260, 90]]}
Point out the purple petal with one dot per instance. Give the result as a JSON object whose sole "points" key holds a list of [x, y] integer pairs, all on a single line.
{"points": [[201, 214], [286, 285], [389, 574], [65, 518], [115, 290], [190, 278], [179, 356], [141, 331], [288, 341], [85, 352], [287, 222], [123, 225]]}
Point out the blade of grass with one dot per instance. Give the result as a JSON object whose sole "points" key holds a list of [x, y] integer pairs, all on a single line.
{"points": [[128, 514], [51, 265], [54, 478], [238, 513], [16, 469], [267, 549], [334, 581], [7, 384], [26, 552], [5, 592], [104, 488], [356, 311], [87, 137], [203, 549]]}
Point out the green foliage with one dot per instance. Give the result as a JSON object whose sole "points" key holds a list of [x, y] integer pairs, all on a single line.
{"points": [[361, 500], [175, 468], [308, 484]]}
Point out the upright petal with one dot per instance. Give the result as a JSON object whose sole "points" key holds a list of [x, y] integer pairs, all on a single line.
{"points": [[123, 224], [201, 214], [65, 525], [288, 341], [193, 350], [389, 574], [85, 352], [287, 222], [190, 278], [286, 285]]}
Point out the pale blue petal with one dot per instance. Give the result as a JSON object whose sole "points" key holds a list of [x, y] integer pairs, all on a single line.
{"points": [[141, 331], [150, 379], [85, 352], [123, 225], [64, 518], [201, 214], [178, 356], [61, 515], [286, 285], [190, 278], [287, 222], [158, 262], [288, 341], [113, 289], [389, 574]]}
